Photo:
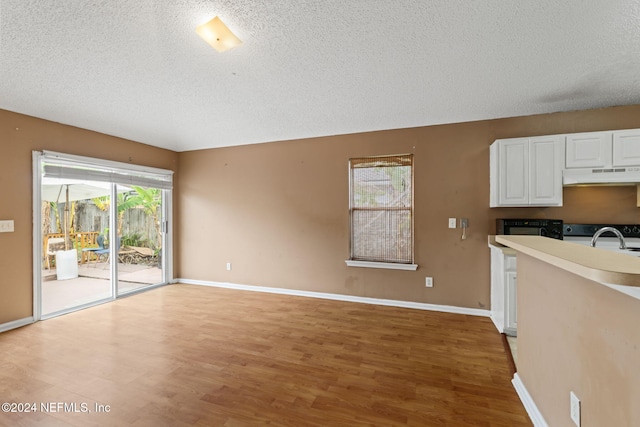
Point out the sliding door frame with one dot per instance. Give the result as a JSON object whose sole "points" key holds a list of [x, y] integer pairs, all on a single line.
{"points": [[137, 173]]}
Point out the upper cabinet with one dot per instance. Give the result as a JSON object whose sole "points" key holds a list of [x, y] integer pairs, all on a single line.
{"points": [[589, 150], [510, 172], [603, 149], [545, 173], [626, 148], [527, 171]]}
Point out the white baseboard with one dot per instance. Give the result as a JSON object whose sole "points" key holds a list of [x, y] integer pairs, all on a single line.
{"points": [[16, 324], [340, 297], [497, 323], [536, 417]]}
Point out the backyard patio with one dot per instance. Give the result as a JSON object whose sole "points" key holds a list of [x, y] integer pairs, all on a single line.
{"points": [[93, 284]]}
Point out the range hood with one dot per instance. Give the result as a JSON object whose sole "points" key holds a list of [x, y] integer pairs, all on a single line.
{"points": [[601, 176]]}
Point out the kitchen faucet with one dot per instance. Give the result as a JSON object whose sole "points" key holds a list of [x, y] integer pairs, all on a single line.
{"points": [[615, 231]]}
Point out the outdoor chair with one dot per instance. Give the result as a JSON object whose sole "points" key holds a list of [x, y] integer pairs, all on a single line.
{"points": [[53, 245], [100, 250]]}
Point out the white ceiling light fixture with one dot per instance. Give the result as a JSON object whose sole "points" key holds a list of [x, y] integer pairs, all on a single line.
{"points": [[218, 35]]}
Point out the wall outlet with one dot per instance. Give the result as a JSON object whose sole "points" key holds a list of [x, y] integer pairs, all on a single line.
{"points": [[452, 223], [228, 266], [429, 282], [575, 409]]}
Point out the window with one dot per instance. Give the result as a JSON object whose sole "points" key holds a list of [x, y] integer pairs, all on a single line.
{"points": [[381, 211]]}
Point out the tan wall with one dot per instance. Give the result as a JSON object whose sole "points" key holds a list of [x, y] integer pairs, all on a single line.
{"points": [[19, 136], [279, 211], [577, 335]]}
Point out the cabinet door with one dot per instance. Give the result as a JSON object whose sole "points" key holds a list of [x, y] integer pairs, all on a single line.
{"points": [[513, 167], [626, 148], [589, 150], [498, 292], [546, 161], [511, 300]]}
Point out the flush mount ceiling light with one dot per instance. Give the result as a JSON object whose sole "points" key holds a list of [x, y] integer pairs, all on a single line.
{"points": [[218, 35]]}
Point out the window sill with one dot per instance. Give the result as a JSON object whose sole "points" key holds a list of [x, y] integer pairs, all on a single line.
{"points": [[385, 265]]}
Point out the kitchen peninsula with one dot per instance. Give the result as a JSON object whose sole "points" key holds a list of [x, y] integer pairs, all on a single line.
{"points": [[591, 263], [577, 331]]}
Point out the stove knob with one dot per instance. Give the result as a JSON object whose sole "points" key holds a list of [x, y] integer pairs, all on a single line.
{"points": [[568, 230], [556, 233], [627, 230], [635, 230]]}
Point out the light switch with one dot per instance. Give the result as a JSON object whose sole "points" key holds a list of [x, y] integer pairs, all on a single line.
{"points": [[6, 226], [452, 223]]}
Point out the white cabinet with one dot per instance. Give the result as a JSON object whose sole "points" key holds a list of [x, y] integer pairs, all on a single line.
{"points": [[529, 171], [626, 148], [603, 149], [503, 291], [526, 171], [589, 150], [512, 171], [546, 159], [511, 304]]}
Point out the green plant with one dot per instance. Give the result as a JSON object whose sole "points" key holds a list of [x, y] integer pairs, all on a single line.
{"points": [[132, 240], [148, 199]]}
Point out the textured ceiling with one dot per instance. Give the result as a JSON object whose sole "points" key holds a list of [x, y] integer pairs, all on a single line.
{"points": [[137, 69]]}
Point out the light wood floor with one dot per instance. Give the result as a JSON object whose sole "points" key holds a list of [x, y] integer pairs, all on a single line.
{"points": [[186, 355]]}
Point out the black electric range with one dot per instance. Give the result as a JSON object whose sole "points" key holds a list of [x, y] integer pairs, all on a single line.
{"points": [[587, 230], [582, 234]]}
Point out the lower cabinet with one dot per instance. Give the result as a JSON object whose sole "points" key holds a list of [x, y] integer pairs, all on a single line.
{"points": [[504, 291], [511, 297]]}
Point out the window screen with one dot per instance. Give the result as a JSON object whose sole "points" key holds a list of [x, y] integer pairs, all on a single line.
{"points": [[381, 208]]}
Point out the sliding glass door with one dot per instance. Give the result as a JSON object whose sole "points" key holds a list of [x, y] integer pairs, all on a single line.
{"points": [[100, 231], [140, 231]]}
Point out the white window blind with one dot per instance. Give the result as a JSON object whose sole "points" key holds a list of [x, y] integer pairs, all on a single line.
{"points": [[381, 209], [66, 166]]}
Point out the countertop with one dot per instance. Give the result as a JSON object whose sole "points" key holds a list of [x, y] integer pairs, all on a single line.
{"points": [[600, 265]]}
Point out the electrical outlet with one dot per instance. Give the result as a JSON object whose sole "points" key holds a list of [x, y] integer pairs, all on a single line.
{"points": [[429, 282], [575, 409], [228, 266], [452, 223]]}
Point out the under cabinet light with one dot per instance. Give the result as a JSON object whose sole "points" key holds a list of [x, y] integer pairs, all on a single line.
{"points": [[218, 35]]}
